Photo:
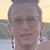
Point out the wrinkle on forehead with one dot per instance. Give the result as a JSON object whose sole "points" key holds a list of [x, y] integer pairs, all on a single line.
{"points": [[25, 8]]}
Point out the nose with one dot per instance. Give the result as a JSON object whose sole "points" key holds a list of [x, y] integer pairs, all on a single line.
{"points": [[25, 26]]}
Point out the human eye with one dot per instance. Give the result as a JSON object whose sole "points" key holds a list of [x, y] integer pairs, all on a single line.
{"points": [[30, 18], [18, 20]]}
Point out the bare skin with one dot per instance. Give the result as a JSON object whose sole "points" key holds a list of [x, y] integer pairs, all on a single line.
{"points": [[25, 26], [44, 45]]}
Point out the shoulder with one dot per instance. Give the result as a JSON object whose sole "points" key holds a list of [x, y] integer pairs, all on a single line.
{"points": [[44, 45]]}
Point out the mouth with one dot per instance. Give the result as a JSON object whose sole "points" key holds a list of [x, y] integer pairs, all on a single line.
{"points": [[24, 35]]}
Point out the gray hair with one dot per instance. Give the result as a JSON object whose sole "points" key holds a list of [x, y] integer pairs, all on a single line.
{"points": [[12, 9], [20, 1]]}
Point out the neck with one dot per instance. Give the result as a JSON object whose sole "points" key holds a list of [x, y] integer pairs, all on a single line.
{"points": [[19, 47], [23, 48]]}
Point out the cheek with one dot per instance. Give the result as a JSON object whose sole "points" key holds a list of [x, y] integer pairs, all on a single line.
{"points": [[16, 31], [36, 31]]}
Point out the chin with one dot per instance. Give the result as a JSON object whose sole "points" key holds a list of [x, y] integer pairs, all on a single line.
{"points": [[26, 43]]}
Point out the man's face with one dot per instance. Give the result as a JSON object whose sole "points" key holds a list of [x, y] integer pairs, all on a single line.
{"points": [[25, 24]]}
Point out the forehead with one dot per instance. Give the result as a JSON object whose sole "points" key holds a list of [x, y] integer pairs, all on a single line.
{"points": [[23, 10]]}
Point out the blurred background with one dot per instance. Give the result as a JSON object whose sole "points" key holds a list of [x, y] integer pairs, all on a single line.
{"points": [[5, 35]]}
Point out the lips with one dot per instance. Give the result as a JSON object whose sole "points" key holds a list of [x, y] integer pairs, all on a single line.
{"points": [[28, 34]]}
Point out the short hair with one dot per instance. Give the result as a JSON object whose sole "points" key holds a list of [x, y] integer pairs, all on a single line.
{"points": [[20, 1], [13, 8]]}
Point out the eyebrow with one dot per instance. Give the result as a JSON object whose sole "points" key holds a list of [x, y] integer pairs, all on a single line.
{"points": [[29, 17], [17, 18], [33, 16]]}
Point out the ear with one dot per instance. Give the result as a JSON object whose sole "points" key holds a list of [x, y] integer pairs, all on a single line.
{"points": [[42, 25], [41, 33], [10, 28]]}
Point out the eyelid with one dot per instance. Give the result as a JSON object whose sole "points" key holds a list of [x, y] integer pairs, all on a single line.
{"points": [[28, 18], [18, 19], [31, 18]]}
